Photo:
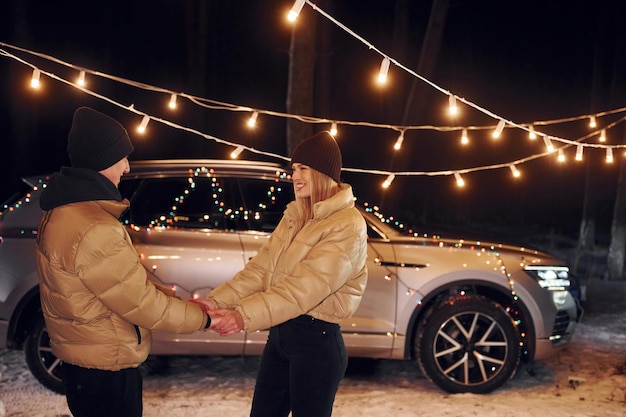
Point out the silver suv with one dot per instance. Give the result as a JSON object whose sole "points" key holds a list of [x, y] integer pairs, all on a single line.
{"points": [[466, 311]]}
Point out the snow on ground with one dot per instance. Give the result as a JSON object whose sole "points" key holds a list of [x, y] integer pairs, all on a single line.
{"points": [[588, 378]]}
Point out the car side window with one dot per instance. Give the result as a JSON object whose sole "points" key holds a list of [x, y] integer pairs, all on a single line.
{"points": [[222, 203], [263, 202]]}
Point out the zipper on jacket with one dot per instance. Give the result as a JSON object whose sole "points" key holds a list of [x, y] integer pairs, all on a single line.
{"points": [[138, 333]]}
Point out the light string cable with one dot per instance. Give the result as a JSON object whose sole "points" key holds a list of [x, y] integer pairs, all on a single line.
{"points": [[220, 105], [227, 106], [432, 84], [131, 108]]}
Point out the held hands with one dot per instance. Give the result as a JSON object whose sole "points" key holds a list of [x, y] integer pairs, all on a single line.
{"points": [[223, 321]]}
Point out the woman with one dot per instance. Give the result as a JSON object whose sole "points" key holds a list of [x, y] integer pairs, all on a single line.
{"points": [[307, 277]]}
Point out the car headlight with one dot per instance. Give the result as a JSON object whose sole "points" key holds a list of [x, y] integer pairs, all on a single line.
{"points": [[553, 278]]}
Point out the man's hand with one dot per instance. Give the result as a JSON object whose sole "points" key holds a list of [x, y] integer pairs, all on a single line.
{"points": [[229, 322]]}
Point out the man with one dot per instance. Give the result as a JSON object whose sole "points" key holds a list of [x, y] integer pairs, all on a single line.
{"points": [[98, 304]]}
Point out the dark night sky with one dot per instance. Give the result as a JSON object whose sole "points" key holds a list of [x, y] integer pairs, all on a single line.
{"points": [[525, 61]]}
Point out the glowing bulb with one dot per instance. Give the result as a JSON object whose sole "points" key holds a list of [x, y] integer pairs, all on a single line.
{"points": [[388, 181], [143, 124], [452, 107], [333, 129], [459, 179], [592, 122], [252, 120], [498, 131], [515, 171], [602, 137], [548, 143], [384, 69], [531, 133], [464, 137], [295, 10], [81, 79], [34, 81], [561, 156], [399, 141], [609, 155], [172, 104], [234, 154], [579, 152]]}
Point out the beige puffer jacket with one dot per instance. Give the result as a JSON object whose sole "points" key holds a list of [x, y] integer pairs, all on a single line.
{"points": [[97, 302], [318, 270]]}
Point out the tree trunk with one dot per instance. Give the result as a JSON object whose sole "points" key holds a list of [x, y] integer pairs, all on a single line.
{"points": [[300, 88]]}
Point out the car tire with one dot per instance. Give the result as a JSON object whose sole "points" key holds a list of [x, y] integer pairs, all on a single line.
{"points": [[468, 344], [44, 366]]}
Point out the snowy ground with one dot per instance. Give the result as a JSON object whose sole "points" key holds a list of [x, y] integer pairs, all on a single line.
{"points": [[586, 379]]}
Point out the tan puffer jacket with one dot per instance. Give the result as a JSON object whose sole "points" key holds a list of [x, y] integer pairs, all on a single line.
{"points": [[318, 270], [97, 302]]}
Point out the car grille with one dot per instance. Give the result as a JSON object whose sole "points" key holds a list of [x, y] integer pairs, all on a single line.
{"points": [[561, 323]]}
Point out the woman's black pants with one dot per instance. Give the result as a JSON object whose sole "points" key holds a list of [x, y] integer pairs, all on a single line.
{"points": [[302, 364]]}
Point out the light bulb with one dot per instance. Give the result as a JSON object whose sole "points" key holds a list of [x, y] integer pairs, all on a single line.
{"points": [[384, 69], [295, 10], [399, 141], [452, 107], [234, 154], [172, 104], [548, 143], [560, 156], [459, 179], [81, 79], [143, 124], [602, 137], [333, 129], [34, 81], [592, 122], [388, 181], [252, 120], [609, 155], [499, 128], [531, 133], [515, 171], [579, 152], [464, 137]]}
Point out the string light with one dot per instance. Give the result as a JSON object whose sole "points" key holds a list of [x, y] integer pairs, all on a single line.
{"points": [[388, 181], [333, 129], [295, 10], [560, 156], [81, 79], [172, 104], [464, 137], [452, 107], [515, 171], [548, 143], [34, 81], [499, 128], [609, 155], [592, 122], [398, 145], [384, 69], [459, 180], [234, 154], [579, 152], [532, 135], [252, 120], [602, 137], [144, 123]]}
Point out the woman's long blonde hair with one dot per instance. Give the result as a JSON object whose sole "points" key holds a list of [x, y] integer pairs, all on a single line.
{"points": [[322, 187]]}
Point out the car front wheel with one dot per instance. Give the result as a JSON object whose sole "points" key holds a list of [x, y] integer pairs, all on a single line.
{"points": [[468, 344], [44, 366]]}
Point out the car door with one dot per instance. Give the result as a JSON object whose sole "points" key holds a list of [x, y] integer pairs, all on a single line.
{"points": [[185, 233]]}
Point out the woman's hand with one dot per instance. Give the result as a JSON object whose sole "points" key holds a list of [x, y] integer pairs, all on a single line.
{"points": [[230, 322]]}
